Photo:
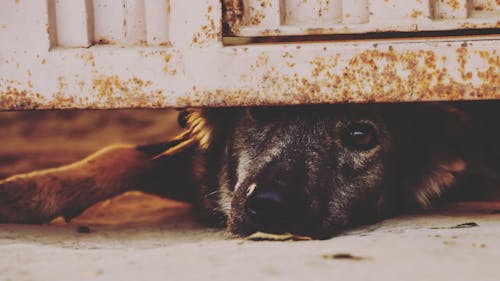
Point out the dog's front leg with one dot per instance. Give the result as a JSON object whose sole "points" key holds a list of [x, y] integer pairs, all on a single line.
{"points": [[43, 195]]}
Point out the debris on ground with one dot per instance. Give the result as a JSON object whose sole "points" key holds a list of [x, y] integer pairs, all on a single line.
{"points": [[344, 256], [83, 229], [262, 236], [465, 225], [462, 225]]}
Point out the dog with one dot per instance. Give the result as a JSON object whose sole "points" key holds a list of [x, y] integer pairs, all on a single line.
{"points": [[313, 170]]}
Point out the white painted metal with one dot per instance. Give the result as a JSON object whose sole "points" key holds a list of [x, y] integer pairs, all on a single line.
{"points": [[119, 21], [72, 23], [170, 53], [355, 12], [157, 22], [457, 9], [302, 17], [399, 10], [324, 11]]}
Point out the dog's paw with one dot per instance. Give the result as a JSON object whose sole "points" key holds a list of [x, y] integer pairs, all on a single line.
{"points": [[25, 200]]}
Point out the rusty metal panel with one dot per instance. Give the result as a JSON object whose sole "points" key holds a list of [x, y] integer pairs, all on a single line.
{"points": [[375, 71], [171, 53], [313, 17]]}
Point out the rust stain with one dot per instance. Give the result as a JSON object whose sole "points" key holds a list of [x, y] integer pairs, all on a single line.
{"points": [[372, 76], [256, 16], [486, 6], [111, 90], [61, 84], [322, 66], [416, 14], [271, 32], [169, 67], [265, 3], [454, 4], [15, 97], [233, 14], [379, 74], [479, 7], [209, 32], [88, 57], [103, 41], [107, 92], [463, 55], [168, 57], [63, 101], [490, 75]]}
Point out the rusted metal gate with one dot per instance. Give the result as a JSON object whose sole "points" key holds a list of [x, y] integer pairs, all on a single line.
{"points": [[160, 53]]}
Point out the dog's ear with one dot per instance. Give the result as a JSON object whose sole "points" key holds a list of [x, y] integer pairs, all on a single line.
{"points": [[431, 155], [198, 133], [202, 128], [440, 176]]}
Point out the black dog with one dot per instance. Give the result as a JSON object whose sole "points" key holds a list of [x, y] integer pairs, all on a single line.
{"points": [[311, 170]]}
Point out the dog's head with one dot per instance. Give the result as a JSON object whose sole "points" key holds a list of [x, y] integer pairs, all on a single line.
{"points": [[314, 170]]}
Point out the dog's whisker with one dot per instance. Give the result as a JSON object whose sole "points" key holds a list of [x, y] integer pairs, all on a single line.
{"points": [[224, 192]]}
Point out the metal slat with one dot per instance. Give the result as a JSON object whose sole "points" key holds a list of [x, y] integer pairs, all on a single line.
{"points": [[306, 17]]}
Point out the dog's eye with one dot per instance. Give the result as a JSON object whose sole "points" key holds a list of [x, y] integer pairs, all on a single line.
{"points": [[359, 136]]}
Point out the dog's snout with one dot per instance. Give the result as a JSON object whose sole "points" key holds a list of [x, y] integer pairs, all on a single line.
{"points": [[267, 202], [270, 207]]}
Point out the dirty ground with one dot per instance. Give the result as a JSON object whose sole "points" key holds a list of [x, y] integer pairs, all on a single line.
{"points": [[139, 237]]}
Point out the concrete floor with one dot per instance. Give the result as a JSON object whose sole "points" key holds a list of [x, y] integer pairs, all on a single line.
{"points": [[162, 240], [139, 237]]}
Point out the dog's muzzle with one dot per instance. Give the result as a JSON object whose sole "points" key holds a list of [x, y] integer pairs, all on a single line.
{"points": [[272, 206]]}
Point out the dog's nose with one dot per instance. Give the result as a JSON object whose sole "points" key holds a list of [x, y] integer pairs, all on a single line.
{"points": [[270, 208]]}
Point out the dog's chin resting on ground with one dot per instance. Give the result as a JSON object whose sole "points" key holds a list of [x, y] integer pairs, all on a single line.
{"points": [[311, 170]]}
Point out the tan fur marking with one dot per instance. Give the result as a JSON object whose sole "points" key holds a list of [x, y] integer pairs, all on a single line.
{"points": [[198, 132], [441, 178]]}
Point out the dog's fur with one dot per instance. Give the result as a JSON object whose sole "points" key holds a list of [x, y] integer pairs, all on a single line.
{"points": [[327, 167]]}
